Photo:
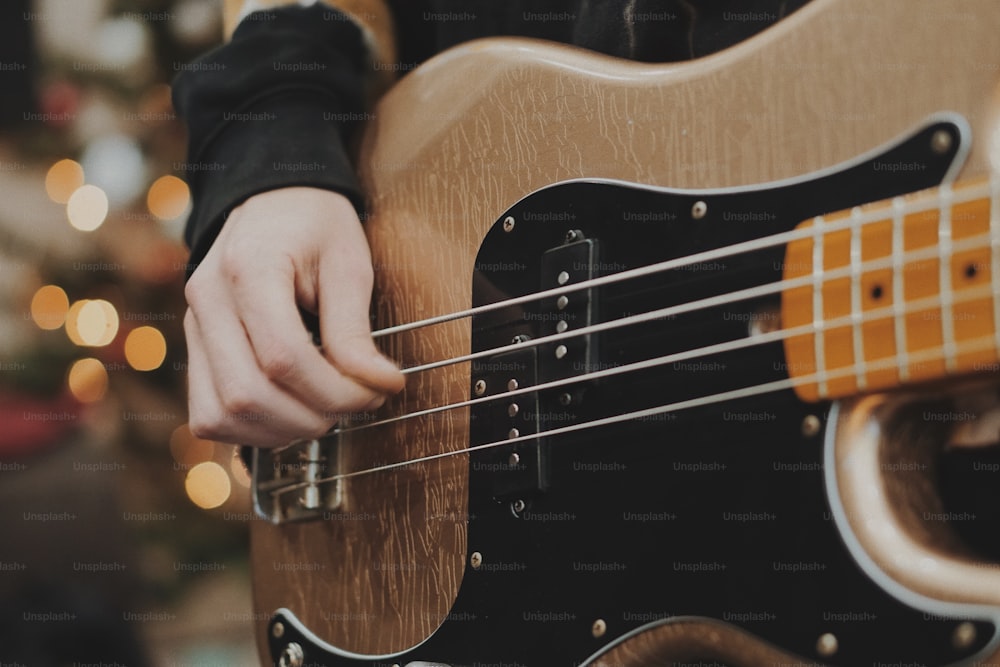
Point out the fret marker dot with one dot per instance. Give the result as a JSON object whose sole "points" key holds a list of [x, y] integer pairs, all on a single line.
{"points": [[877, 292], [970, 271]]}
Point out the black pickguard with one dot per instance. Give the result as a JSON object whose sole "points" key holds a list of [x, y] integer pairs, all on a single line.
{"points": [[717, 511]]}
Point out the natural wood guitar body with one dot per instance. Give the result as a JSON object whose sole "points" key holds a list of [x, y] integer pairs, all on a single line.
{"points": [[462, 138]]}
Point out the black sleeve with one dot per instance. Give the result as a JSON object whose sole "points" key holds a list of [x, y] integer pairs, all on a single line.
{"points": [[272, 108]]}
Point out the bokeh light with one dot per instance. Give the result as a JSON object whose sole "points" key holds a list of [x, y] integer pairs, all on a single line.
{"points": [[92, 322], [72, 317], [49, 306], [168, 197], [196, 22], [116, 165], [145, 348], [87, 208], [208, 485], [122, 42], [63, 179], [88, 380]]}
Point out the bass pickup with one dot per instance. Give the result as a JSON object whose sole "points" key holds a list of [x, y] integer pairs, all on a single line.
{"points": [[519, 469]]}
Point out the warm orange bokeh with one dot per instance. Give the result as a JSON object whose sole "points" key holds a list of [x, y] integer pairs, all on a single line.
{"points": [[145, 348], [49, 306], [168, 197], [63, 179]]}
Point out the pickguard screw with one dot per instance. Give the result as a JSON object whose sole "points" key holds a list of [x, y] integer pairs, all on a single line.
{"points": [[941, 142], [561, 351], [598, 628], [561, 326], [811, 426], [827, 644], [562, 278], [475, 560], [513, 409], [699, 210], [520, 338], [292, 656], [512, 384], [508, 223], [517, 506], [964, 635], [513, 433], [513, 459], [562, 302], [565, 399], [573, 235], [278, 630], [480, 387]]}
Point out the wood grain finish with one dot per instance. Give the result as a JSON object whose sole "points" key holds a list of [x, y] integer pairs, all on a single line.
{"points": [[461, 139]]}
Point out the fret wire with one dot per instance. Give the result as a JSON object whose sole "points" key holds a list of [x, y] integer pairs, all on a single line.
{"points": [[860, 373], [898, 298], [819, 338], [945, 286]]}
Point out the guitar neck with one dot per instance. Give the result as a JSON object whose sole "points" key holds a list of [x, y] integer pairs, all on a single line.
{"points": [[897, 291]]}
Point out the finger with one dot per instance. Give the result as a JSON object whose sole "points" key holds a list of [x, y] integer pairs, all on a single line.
{"points": [[285, 353], [248, 408], [344, 294], [204, 406]]}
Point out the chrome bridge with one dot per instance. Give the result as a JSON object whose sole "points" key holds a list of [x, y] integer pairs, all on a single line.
{"points": [[293, 483]]}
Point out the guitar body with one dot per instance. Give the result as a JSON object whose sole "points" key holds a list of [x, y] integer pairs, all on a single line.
{"points": [[734, 532]]}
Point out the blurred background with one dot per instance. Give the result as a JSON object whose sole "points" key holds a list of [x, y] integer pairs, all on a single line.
{"points": [[122, 537]]}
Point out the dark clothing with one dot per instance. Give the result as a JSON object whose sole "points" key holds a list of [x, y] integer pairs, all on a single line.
{"points": [[274, 107]]}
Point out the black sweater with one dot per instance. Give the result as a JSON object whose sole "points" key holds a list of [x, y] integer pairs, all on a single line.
{"points": [[274, 107]]}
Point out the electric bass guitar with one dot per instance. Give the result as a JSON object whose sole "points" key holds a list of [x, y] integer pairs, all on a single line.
{"points": [[701, 362]]}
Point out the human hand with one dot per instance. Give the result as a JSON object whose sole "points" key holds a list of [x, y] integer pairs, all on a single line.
{"points": [[255, 377]]}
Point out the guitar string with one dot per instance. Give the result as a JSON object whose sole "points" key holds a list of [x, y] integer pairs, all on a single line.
{"points": [[767, 289], [969, 294], [974, 345], [910, 204], [876, 215], [967, 347]]}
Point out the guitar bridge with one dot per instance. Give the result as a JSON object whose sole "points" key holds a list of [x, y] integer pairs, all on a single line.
{"points": [[294, 483]]}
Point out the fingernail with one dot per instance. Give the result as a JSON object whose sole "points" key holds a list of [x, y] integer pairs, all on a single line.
{"points": [[377, 403]]}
